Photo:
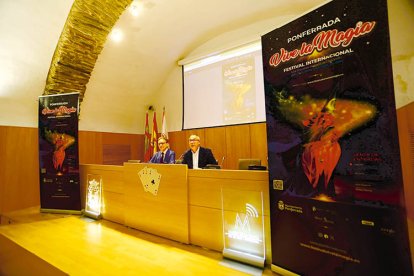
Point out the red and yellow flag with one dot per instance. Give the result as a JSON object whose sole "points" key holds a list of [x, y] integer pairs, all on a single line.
{"points": [[154, 135], [164, 131]]}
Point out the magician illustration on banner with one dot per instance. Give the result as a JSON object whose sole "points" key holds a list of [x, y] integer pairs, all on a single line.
{"points": [[60, 141], [320, 123], [329, 109]]}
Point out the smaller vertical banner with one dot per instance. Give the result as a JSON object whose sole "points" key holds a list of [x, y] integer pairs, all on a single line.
{"points": [[58, 153]]}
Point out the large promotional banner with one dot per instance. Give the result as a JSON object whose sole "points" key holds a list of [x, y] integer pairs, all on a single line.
{"points": [[58, 152], [337, 203]]}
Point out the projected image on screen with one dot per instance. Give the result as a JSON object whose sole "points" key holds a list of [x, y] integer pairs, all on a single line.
{"points": [[226, 89], [239, 95]]}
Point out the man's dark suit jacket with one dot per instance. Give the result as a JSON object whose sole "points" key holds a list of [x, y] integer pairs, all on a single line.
{"points": [[169, 157], [205, 157]]}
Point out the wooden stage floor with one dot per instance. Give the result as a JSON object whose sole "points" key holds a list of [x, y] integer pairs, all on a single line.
{"points": [[51, 244]]}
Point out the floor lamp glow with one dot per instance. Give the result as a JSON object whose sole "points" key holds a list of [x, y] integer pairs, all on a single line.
{"points": [[93, 204]]}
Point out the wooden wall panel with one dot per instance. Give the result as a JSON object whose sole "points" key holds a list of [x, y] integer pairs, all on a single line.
{"points": [[91, 147], [114, 154], [139, 147], [19, 183], [206, 227], [90, 143], [215, 139], [178, 142], [3, 163], [405, 120], [18, 145], [16, 260], [237, 144], [19, 180], [233, 142], [135, 141], [20, 176], [405, 117], [258, 142], [199, 132]]}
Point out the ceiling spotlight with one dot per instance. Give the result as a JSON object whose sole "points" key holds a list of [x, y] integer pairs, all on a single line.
{"points": [[135, 8], [116, 35]]}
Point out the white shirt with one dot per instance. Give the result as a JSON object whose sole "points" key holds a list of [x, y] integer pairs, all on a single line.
{"points": [[195, 159]]}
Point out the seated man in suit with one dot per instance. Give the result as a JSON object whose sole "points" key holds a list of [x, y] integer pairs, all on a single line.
{"points": [[164, 155], [197, 157]]}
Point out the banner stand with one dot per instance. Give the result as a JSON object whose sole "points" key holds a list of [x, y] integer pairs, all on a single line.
{"points": [[282, 271], [92, 215], [244, 257], [58, 211]]}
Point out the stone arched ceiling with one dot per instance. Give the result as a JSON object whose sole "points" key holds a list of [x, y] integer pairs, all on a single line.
{"points": [[82, 40]]}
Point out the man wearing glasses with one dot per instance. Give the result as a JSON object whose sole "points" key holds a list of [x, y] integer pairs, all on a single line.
{"points": [[197, 157], [164, 155]]}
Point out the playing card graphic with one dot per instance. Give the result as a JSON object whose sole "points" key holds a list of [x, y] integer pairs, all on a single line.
{"points": [[150, 180]]}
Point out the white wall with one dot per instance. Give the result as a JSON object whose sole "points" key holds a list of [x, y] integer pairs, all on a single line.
{"points": [[27, 45], [401, 17], [170, 94]]}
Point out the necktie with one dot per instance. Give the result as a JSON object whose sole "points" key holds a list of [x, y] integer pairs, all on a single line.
{"points": [[162, 157]]}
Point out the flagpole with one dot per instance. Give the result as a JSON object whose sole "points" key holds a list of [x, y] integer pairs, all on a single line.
{"points": [[147, 141], [164, 132]]}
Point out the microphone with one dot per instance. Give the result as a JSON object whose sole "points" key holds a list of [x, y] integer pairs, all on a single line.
{"points": [[180, 159], [222, 161]]}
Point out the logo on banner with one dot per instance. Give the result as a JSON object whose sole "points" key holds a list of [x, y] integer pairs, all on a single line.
{"points": [[291, 208], [281, 205], [278, 184], [242, 228], [59, 111], [150, 180], [323, 40]]}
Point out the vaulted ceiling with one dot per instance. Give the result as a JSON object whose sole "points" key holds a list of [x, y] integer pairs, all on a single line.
{"points": [[156, 34], [125, 75]]}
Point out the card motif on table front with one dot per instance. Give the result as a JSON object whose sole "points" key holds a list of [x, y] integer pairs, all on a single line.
{"points": [[150, 180]]}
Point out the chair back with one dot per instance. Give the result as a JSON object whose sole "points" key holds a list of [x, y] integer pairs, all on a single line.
{"points": [[243, 164]]}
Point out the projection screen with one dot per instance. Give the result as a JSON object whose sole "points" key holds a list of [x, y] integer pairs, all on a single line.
{"points": [[224, 89]]}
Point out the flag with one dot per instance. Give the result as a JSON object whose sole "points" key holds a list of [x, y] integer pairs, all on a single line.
{"points": [[164, 132], [147, 142], [154, 133]]}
